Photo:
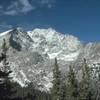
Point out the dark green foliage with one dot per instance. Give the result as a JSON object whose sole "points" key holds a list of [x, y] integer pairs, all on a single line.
{"points": [[63, 91], [85, 85], [56, 89], [97, 90], [97, 86], [5, 87], [72, 86], [30, 93]]}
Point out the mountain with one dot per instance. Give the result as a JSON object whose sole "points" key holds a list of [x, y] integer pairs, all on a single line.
{"points": [[31, 54]]}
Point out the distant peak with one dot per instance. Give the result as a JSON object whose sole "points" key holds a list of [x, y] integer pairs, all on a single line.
{"points": [[19, 30], [43, 29]]}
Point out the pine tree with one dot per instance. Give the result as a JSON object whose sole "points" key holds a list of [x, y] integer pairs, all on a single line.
{"points": [[97, 89], [72, 86], [85, 85], [63, 91], [5, 84], [56, 89], [31, 95]]}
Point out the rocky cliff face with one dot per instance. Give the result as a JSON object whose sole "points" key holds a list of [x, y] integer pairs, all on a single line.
{"points": [[32, 53]]}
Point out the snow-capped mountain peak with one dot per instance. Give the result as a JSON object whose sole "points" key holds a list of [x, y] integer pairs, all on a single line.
{"points": [[54, 43], [32, 53]]}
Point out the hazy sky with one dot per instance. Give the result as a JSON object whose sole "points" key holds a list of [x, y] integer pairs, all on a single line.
{"points": [[78, 17]]}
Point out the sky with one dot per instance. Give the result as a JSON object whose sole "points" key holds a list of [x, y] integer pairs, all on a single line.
{"points": [[77, 17]]}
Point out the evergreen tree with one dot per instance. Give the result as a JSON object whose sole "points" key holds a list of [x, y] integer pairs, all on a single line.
{"points": [[97, 89], [96, 83], [31, 95], [85, 85], [72, 86], [63, 91], [5, 84], [56, 89]]}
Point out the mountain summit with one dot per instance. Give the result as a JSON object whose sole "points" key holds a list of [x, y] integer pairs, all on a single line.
{"points": [[32, 53]]}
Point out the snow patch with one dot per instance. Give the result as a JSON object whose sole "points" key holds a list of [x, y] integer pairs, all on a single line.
{"points": [[69, 57], [4, 33], [53, 55]]}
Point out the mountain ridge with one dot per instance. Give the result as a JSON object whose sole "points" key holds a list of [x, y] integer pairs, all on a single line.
{"points": [[32, 53]]}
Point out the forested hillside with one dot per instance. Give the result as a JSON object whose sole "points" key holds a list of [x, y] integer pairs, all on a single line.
{"points": [[70, 88]]}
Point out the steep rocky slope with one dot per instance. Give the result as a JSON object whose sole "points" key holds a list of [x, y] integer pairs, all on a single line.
{"points": [[32, 53]]}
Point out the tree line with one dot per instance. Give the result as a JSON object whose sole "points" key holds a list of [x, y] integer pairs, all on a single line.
{"points": [[86, 88]]}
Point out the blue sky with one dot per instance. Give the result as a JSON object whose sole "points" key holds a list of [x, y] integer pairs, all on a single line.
{"points": [[78, 17]]}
